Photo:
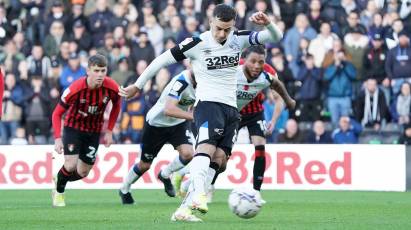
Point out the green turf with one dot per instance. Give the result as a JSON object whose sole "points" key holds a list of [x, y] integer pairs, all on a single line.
{"points": [[101, 209]]}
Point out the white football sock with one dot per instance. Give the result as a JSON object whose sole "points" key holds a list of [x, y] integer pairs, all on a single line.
{"points": [[185, 170], [173, 166], [198, 173], [131, 177]]}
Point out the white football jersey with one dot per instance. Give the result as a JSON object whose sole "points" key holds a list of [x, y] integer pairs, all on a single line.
{"points": [[181, 88], [247, 91], [215, 65]]}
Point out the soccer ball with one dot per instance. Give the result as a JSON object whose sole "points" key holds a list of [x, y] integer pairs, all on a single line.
{"points": [[244, 202]]}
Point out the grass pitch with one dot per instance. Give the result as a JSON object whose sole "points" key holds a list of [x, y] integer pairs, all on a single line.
{"points": [[101, 209]]}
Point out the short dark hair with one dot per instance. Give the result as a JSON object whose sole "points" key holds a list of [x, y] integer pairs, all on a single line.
{"points": [[224, 12], [255, 49], [98, 60]]}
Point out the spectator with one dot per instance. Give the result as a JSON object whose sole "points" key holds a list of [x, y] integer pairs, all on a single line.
{"points": [[320, 45], [393, 34], [54, 39], [140, 67], [405, 137], [161, 80], [143, 50], [57, 14], [292, 134], [347, 132], [308, 97], [119, 17], [7, 30], [20, 138], [370, 106], [269, 108], [376, 27], [398, 63], [189, 30], [241, 20], [64, 53], [77, 14], [81, 36], [108, 45], [366, 17], [130, 10], [339, 76], [187, 10], [100, 22], [155, 33], [23, 45], [37, 111], [260, 6], [38, 64], [132, 119], [318, 135], [314, 15], [72, 71], [11, 57], [122, 73], [167, 14], [288, 12], [12, 111], [353, 23], [174, 29], [292, 39], [284, 73], [355, 44], [401, 107], [374, 59]]}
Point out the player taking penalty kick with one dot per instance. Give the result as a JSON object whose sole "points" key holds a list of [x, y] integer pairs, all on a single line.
{"points": [[84, 103], [214, 56], [251, 80]]}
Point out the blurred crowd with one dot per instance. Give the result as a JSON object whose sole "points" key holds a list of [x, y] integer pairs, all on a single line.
{"points": [[347, 62]]}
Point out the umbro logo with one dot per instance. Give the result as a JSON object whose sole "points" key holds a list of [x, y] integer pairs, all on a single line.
{"points": [[148, 156], [219, 131], [207, 52]]}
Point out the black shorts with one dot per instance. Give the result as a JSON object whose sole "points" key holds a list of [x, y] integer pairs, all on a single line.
{"points": [[153, 139], [216, 124], [255, 124], [81, 143]]}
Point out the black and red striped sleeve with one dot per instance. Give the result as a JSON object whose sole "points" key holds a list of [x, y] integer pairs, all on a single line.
{"points": [[116, 100]]}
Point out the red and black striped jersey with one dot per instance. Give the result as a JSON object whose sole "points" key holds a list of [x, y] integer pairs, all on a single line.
{"points": [[85, 107], [256, 105]]}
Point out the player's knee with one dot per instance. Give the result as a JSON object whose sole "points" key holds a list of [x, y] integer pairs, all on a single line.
{"points": [[144, 166], [69, 166], [186, 154], [83, 173]]}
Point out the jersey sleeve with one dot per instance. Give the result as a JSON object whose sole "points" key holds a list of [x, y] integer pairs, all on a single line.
{"points": [[246, 38], [186, 49], [178, 88], [249, 38], [67, 96]]}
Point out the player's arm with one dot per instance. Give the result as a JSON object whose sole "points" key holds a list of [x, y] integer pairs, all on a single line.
{"points": [[159, 62], [115, 111], [279, 105], [172, 110], [58, 112], [174, 96], [174, 55], [279, 87], [271, 33]]}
